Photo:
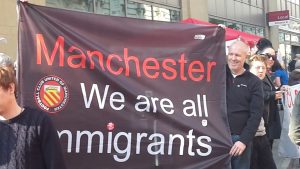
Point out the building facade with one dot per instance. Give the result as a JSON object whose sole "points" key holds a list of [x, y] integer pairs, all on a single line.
{"points": [[244, 15]]}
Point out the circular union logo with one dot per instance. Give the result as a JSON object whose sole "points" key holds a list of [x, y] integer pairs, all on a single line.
{"points": [[51, 94]]}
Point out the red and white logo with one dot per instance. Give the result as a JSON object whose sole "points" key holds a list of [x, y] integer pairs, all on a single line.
{"points": [[51, 94]]}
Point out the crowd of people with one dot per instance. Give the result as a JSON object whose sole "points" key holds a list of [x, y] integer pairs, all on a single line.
{"points": [[254, 88]]}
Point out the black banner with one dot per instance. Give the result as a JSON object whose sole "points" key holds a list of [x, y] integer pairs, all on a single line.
{"points": [[126, 93]]}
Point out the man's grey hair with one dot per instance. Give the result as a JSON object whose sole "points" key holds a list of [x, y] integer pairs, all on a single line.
{"points": [[244, 46], [5, 60]]}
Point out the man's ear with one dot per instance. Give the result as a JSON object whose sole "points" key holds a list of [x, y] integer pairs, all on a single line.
{"points": [[12, 88]]}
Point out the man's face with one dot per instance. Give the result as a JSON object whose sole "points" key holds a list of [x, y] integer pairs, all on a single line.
{"points": [[236, 58], [6, 98], [259, 69]]}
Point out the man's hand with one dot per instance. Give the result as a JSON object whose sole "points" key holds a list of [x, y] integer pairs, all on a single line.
{"points": [[237, 149]]}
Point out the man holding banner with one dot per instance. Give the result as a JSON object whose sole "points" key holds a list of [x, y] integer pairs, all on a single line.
{"points": [[28, 138], [294, 129], [244, 105], [294, 132]]}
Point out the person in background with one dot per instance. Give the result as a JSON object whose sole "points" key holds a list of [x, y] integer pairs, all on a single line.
{"points": [[28, 139], [294, 128], [294, 77], [244, 98], [262, 157], [272, 122], [291, 64], [262, 44], [280, 75]]}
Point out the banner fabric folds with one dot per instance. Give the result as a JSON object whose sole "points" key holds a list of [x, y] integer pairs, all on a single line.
{"points": [[126, 93]]}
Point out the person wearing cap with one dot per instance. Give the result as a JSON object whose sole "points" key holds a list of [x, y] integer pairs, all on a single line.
{"points": [[28, 137]]}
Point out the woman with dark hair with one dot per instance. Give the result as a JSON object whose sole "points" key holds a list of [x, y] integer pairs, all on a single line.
{"points": [[272, 122], [263, 43], [280, 76]]}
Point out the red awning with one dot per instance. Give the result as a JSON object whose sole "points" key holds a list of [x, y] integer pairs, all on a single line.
{"points": [[231, 34]]}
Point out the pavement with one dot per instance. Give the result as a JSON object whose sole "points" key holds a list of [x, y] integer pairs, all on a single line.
{"points": [[284, 163]]}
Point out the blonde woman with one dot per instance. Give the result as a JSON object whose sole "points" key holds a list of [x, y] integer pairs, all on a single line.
{"points": [[261, 157]]}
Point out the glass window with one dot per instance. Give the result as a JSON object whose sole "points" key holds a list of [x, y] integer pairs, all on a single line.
{"points": [[175, 16], [281, 37], [287, 37], [233, 25], [289, 7], [282, 50], [138, 10], [216, 21], [294, 38], [293, 10], [297, 11], [161, 14], [121, 8], [102, 7], [288, 54], [249, 29], [283, 5], [246, 1], [293, 1], [117, 7], [55, 3], [260, 3], [260, 31], [253, 3], [239, 27], [77, 5], [110, 7]]}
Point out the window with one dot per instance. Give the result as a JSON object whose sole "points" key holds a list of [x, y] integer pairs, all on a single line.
{"points": [[289, 7], [77, 5], [249, 29], [294, 38], [287, 37], [138, 10], [175, 15], [126, 8], [260, 31], [234, 26], [110, 7], [102, 7], [260, 3], [253, 3], [281, 37], [216, 21], [283, 5], [297, 12], [293, 9], [161, 14]]}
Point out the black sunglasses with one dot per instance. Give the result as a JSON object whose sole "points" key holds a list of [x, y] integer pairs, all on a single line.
{"points": [[270, 56]]}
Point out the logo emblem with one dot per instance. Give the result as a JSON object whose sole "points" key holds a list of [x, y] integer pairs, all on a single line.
{"points": [[51, 94]]}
